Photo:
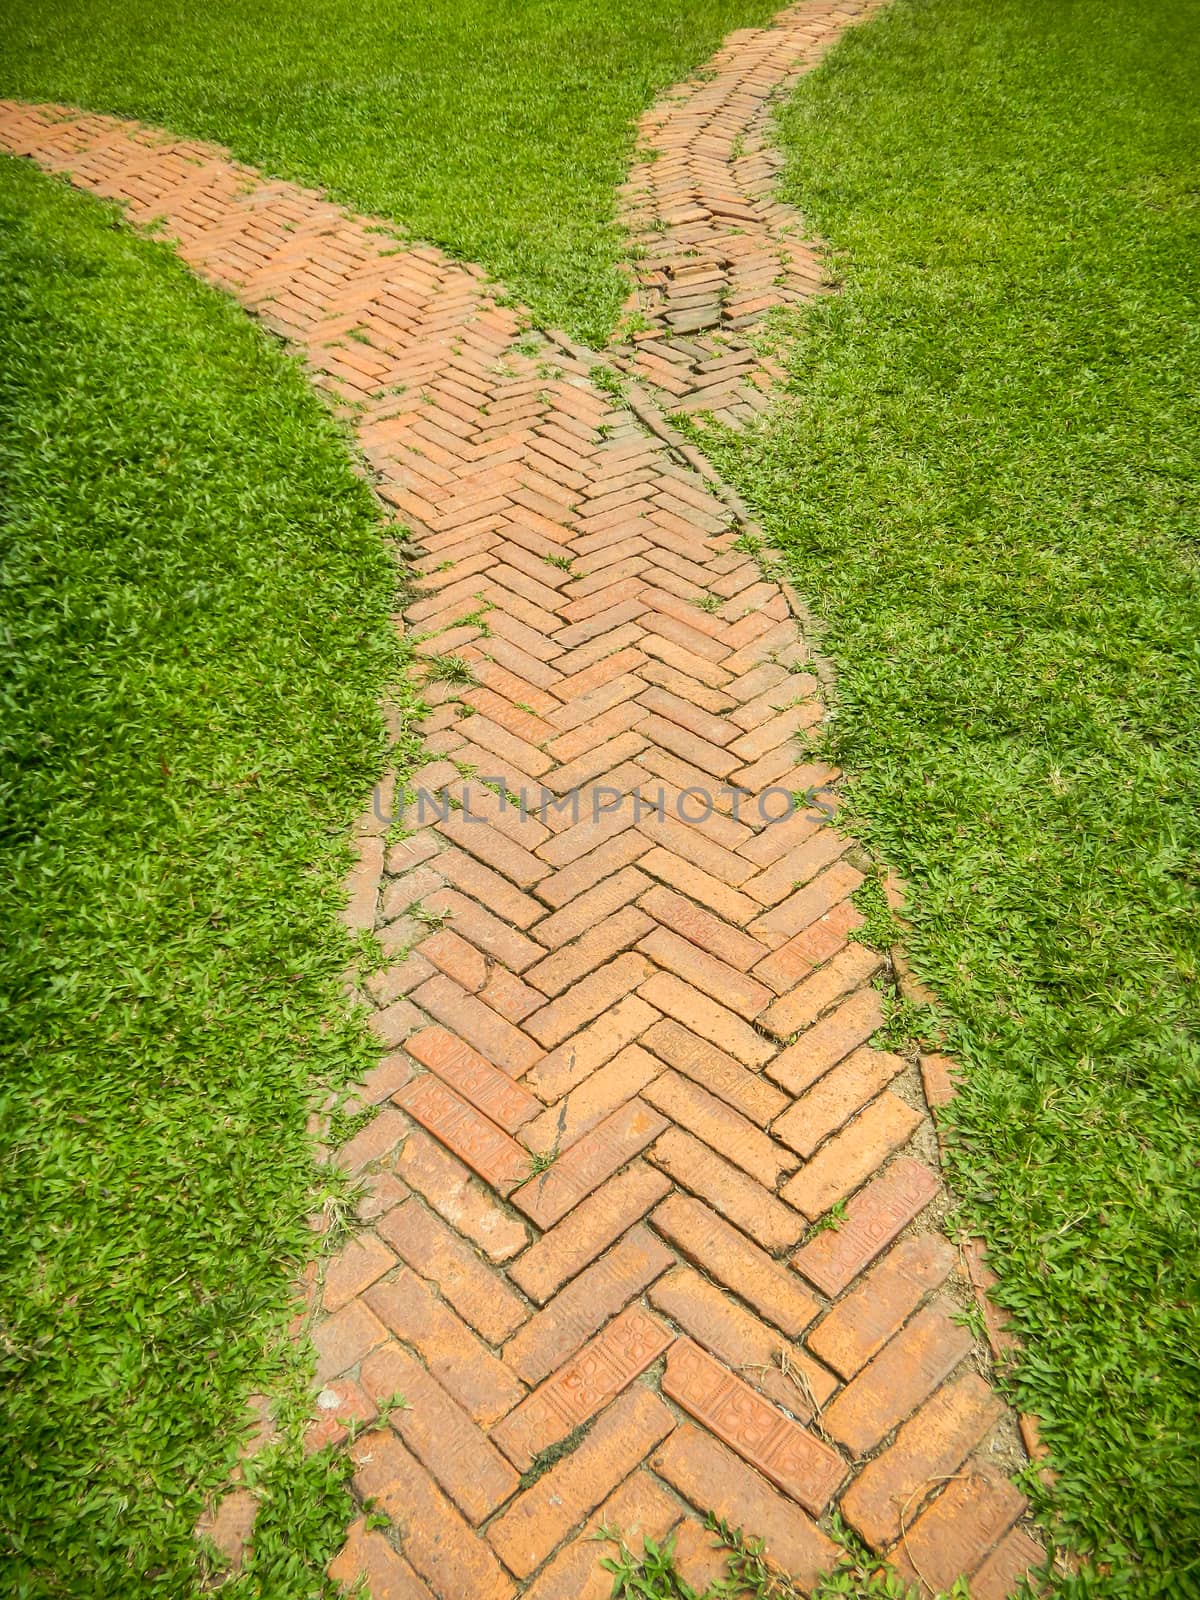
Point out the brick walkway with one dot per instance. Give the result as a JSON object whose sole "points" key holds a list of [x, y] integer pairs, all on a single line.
{"points": [[629, 1072]]}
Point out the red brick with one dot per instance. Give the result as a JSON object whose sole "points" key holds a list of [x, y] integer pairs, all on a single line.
{"points": [[959, 1529], [508, 995], [938, 1074], [641, 1508], [605, 939], [546, 1198], [456, 958], [586, 1000], [580, 1388], [440, 1433], [368, 1555], [394, 1024], [706, 972], [438, 1541], [559, 1072], [342, 1340], [591, 907], [713, 1479], [588, 1231], [826, 1043], [929, 1448], [702, 928], [796, 1462], [374, 1141], [742, 1342], [729, 904], [489, 1090], [835, 1098], [609, 1087], [718, 1125], [727, 1190], [394, 982], [477, 1293], [1015, 1555], [715, 1071], [354, 1269], [460, 1361], [463, 1014], [721, 1252], [851, 1156], [861, 1324], [833, 1258], [449, 1188], [803, 907], [906, 1372], [805, 1003], [537, 1520], [582, 1308], [705, 1017], [230, 1526], [817, 943], [480, 882], [499, 1160]]}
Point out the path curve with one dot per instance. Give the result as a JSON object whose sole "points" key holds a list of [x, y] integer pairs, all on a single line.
{"points": [[629, 1080]]}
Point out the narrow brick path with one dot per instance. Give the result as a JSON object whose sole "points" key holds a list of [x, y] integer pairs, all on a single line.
{"points": [[650, 1227], [714, 249]]}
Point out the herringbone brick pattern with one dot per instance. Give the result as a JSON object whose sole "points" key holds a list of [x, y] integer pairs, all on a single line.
{"points": [[649, 1225], [713, 248]]}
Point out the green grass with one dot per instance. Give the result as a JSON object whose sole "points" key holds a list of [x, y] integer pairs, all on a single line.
{"points": [[500, 132], [985, 479], [194, 605]]}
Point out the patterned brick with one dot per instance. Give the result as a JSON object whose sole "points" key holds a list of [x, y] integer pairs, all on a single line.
{"points": [[844, 1161], [435, 1251], [929, 1448], [535, 1522], [861, 1324], [718, 1125], [713, 1070], [742, 1342], [874, 1217], [440, 1433], [499, 1160], [712, 1478], [726, 1255], [835, 1098], [547, 1197], [959, 1529], [582, 1308], [580, 1388], [368, 1555], [827, 1042], [732, 1193], [907, 1370]]}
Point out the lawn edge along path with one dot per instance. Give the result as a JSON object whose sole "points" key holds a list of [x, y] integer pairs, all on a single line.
{"points": [[648, 1227]]}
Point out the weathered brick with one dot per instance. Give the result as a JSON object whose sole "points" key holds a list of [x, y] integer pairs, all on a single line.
{"points": [[959, 1529], [702, 928], [536, 1521], [998, 1576], [581, 1309], [796, 1462], [342, 1340], [477, 1293], [705, 972], [929, 1448], [452, 1192], [547, 1197], [588, 1231], [713, 1479], [832, 1101], [723, 1253], [727, 1190], [705, 1017], [489, 1090], [641, 1508], [744, 1090], [719, 1126], [341, 1403], [559, 1071], [492, 1036], [609, 1087], [851, 1156], [375, 1141], [498, 1159], [802, 1005], [742, 1341], [905, 1372], [817, 943], [440, 1433], [438, 1541], [827, 1042], [729, 904], [458, 1359], [591, 907], [605, 939], [834, 1258], [354, 1269], [368, 1555], [860, 1325], [586, 999], [588, 1381]]}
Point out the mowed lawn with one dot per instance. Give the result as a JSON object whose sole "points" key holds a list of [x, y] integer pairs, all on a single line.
{"points": [[499, 131], [194, 605], [985, 480]]}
